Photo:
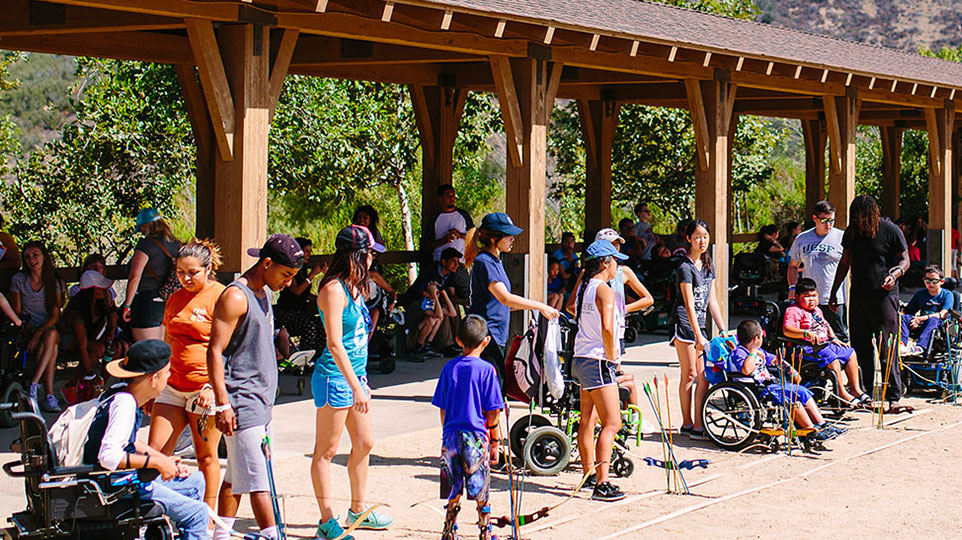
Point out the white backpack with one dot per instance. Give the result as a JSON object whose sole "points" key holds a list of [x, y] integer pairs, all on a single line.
{"points": [[68, 435]]}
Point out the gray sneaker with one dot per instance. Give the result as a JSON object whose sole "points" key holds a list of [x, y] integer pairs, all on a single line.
{"points": [[50, 404]]}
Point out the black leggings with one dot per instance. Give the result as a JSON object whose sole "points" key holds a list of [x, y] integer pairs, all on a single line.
{"points": [[494, 354], [872, 317], [305, 325]]}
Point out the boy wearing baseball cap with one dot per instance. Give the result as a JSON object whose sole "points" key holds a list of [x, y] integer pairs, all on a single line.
{"points": [[112, 440], [243, 372]]}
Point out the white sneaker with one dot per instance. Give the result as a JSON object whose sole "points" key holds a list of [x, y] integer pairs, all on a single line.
{"points": [[50, 404]]}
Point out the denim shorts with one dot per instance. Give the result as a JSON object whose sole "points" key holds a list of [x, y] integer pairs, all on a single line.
{"points": [[334, 391]]}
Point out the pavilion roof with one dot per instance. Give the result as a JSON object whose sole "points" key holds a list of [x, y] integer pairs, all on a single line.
{"points": [[671, 25]]}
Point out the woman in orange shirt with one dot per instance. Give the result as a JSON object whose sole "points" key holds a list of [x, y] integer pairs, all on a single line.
{"points": [[188, 398]]}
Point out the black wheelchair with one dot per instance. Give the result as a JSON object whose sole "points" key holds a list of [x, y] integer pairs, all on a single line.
{"points": [[738, 414], [75, 502], [14, 378], [937, 368]]}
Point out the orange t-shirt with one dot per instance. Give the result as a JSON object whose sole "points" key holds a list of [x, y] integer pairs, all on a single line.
{"points": [[187, 318]]}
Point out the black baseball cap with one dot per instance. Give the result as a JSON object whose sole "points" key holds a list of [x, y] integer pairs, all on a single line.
{"points": [[143, 357], [451, 253], [281, 249], [355, 237]]}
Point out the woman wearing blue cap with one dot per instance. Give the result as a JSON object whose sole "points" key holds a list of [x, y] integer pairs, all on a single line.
{"points": [[491, 296], [596, 357], [150, 266]]}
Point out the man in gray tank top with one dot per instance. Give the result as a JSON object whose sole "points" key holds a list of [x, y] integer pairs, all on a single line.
{"points": [[243, 371]]}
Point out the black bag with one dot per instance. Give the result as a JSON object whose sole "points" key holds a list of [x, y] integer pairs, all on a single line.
{"points": [[170, 284]]}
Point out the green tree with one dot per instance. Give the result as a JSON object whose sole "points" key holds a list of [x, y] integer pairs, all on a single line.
{"points": [[9, 144], [129, 147]]}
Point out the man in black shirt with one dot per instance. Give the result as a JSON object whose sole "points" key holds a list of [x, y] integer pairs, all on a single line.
{"points": [[875, 251]]}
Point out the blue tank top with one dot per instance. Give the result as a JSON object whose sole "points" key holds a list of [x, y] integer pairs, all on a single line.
{"points": [[355, 325]]}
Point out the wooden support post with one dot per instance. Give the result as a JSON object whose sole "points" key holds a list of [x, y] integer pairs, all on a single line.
{"points": [[813, 135], [599, 121], [711, 104], [535, 81], [240, 87], [891, 171], [939, 124], [841, 120], [956, 186], [437, 113]]}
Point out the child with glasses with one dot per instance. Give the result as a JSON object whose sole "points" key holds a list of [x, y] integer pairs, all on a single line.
{"points": [[804, 320], [926, 311]]}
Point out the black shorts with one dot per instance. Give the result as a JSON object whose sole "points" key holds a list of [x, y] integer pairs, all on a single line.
{"points": [[147, 310], [684, 333]]}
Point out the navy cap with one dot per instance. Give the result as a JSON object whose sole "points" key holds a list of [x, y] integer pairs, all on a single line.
{"points": [[280, 249], [500, 222], [145, 356], [603, 248], [354, 237]]}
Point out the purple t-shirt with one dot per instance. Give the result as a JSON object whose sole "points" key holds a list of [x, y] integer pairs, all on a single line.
{"points": [[763, 360], [467, 388]]}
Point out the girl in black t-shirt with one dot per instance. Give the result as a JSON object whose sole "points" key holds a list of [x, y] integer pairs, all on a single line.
{"points": [[695, 298]]}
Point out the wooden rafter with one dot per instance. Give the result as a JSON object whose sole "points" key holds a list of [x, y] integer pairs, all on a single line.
{"points": [[699, 121], [19, 19], [196, 109], [282, 62]]}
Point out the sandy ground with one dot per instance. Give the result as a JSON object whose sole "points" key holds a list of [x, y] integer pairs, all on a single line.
{"points": [[900, 482]]}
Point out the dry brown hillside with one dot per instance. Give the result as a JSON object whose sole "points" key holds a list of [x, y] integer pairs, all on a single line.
{"points": [[901, 24]]}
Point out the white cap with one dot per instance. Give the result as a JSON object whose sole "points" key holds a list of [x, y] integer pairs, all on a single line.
{"points": [[93, 278], [609, 235]]}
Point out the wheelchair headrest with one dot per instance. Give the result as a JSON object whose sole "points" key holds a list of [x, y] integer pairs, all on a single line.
{"points": [[950, 284]]}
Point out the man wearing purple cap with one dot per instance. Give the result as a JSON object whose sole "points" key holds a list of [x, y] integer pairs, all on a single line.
{"points": [[243, 371]]}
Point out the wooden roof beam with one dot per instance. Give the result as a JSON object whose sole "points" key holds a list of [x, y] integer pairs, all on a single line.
{"points": [[323, 51], [420, 74], [213, 79], [145, 46], [25, 18]]}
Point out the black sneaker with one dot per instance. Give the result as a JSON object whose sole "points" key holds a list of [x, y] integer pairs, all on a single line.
{"points": [[590, 483], [697, 435], [607, 492]]}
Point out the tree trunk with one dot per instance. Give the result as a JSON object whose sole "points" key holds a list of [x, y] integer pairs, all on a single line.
{"points": [[402, 197]]}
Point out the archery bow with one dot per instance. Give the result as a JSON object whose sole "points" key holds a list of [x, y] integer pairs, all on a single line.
{"points": [[526, 519]]}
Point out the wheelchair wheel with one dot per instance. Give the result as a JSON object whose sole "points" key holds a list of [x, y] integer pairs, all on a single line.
{"points": [[521, 428], [630, 334], [159, 530], [546, 451], [732, 415], [10, 393], [621, 465]]}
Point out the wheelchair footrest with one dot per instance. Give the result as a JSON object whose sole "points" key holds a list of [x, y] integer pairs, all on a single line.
{"points": [[772, 432]]}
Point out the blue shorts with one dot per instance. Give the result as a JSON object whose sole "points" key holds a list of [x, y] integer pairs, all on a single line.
{"points": [[464, 465], [791, 393], [592, 373], [334, 391], [828, 354]]}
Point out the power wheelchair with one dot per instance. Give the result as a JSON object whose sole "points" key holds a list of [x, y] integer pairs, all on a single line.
{"points": [[937, 368], [75, 502]]}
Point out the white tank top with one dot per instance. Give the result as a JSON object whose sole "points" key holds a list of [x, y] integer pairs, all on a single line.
{"points": [[589, 342], [618, 287]]}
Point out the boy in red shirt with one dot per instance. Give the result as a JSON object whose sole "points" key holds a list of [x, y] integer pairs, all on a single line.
{"points": [[804, 320]]}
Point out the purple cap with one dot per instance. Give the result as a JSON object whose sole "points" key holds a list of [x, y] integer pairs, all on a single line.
{"points": [[281, 249], [354, 237]]}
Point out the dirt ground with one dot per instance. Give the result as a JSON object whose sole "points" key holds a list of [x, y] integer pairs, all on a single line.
{"points": [[899, 482]]}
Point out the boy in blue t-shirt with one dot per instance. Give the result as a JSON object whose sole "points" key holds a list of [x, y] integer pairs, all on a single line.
{"points": [[753, 361], [469, 396], [926, 310]]}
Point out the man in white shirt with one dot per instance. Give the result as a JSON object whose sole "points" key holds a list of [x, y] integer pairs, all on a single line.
{"points": [[451, 225], [818, 251]]}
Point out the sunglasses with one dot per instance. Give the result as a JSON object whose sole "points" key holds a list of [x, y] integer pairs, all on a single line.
{"points": [[933, 280], [826, 220]]}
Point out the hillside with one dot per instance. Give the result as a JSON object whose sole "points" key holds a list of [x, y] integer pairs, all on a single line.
{"points": [[900, 24]]}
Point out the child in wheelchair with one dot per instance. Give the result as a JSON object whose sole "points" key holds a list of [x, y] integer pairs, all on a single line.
{"points": [[753, 361], [112, 439], [804, 320], [926, 312]]}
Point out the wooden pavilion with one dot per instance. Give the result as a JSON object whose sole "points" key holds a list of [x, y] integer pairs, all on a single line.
{"points": [[232, 57]]}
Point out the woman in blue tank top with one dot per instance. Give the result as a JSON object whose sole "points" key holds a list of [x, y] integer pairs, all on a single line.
{"points": [[341, 393]]}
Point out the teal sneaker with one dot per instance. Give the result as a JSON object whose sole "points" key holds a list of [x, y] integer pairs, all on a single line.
{"points": [[329, 530], [373, 521]]}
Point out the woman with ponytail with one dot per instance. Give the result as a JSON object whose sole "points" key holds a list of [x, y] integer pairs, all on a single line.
{"points": [[341, 394], [188, 397], [596, 357], [694, 298], [491, 296]]}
